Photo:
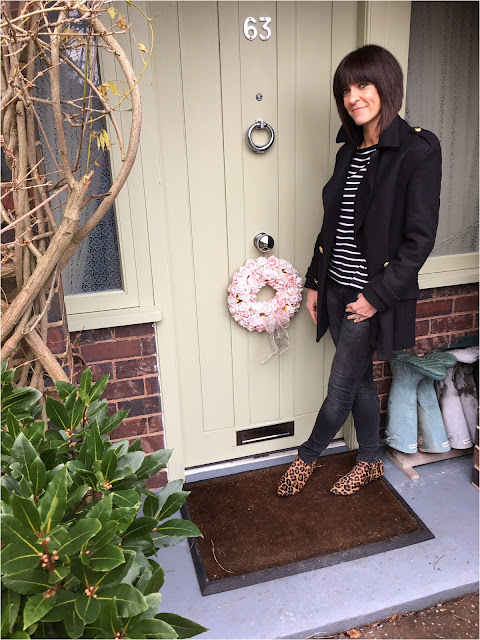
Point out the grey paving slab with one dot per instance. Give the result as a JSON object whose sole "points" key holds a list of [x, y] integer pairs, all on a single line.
{"points": [[353, 593]]}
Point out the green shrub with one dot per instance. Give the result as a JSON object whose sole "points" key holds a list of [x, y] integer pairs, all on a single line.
{"points": [[76, 559]]}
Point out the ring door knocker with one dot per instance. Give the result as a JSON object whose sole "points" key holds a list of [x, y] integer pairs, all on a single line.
{"points": [[260, 124]]}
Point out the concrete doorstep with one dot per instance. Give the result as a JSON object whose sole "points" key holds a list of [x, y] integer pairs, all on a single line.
{"points": [[351, 594]]}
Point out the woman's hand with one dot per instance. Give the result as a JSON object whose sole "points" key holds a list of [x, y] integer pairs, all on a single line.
{"points": [[312, 303], [361, 308]]}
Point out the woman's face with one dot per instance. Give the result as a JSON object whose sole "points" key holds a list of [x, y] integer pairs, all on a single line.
{"points": [[362, 102]]}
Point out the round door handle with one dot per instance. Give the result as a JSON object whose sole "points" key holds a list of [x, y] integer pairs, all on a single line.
{"points": [[263, 242], [260, 124]]}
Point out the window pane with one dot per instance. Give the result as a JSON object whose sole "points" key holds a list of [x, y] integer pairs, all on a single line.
{"points": [[442, 95], [96, 264]]}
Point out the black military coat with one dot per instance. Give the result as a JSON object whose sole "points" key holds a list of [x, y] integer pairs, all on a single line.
{"points": [[396, 219]]}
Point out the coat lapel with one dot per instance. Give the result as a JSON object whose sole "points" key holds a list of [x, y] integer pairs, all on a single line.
{"points": [[365, 191], [333, 191]]}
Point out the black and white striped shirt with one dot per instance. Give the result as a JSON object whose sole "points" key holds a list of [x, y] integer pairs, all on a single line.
{"points": [[347, 266]]}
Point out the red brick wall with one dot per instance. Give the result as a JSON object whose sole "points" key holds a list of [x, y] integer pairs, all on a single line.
{"points": [[444, 316], [129, 356]]}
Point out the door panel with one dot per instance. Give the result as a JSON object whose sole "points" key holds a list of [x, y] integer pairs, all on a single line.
{"points": [[232, 194]]}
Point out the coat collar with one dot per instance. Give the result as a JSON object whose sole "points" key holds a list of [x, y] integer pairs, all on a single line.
{"points": [[389, 138]]}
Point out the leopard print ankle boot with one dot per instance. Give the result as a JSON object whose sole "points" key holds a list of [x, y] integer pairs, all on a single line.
{"points": [[361, 474], [295, 477]]}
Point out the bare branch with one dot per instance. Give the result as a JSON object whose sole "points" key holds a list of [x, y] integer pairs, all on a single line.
{"points": [[52, 256]]}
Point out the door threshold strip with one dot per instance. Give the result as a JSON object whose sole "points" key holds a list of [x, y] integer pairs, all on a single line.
{"points": [[249, 463]]}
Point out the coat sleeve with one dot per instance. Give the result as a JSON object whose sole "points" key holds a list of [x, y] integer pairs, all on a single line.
{"points": [[422, 203], [312, 272]]}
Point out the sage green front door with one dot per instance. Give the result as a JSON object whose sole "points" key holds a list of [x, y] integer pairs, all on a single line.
{"points": [[218, 68]]}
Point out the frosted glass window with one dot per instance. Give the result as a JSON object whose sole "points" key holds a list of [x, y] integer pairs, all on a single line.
{"points": [[442, 95], [96, 264]]}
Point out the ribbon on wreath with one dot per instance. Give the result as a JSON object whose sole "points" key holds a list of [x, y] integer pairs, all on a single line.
{"points": [[276, 324]]}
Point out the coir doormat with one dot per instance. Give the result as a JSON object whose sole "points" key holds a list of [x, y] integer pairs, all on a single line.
{"points": [[251, 535]]}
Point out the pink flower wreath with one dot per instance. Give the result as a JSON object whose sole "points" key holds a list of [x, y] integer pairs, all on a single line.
{"points": [[247, 282]]}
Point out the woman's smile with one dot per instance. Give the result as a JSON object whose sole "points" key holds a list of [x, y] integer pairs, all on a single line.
{"points": [[362, 102]]}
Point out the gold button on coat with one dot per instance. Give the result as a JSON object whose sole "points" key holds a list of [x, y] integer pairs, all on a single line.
{"points": [[386, 263], [418, 128], [320, 248]]}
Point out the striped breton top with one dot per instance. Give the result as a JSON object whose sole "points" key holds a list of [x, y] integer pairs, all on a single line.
{"points": [[347, 266]]}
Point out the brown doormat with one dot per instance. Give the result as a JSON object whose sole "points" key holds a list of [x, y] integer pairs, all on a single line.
{"points": [[251, 535]]}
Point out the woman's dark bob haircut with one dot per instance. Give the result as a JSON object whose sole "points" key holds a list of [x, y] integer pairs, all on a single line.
{"points": [[378, 66]]}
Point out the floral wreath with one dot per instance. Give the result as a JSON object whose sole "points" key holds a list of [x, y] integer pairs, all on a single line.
{"points": [[273, 315]]}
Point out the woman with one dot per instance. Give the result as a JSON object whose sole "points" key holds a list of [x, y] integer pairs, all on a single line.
{"points": [[380, 220]]}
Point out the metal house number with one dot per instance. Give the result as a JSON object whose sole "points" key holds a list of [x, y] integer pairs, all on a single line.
{"points": [[250, 31]]}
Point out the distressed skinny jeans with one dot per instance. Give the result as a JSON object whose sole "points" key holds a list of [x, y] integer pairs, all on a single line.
{"points": [[350, 386]]}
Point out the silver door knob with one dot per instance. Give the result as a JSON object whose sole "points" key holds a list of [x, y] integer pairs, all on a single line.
{"points": [[263, 242]]}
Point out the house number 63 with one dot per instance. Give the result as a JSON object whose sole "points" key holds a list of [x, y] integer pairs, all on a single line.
{"points": [[250, 31]]}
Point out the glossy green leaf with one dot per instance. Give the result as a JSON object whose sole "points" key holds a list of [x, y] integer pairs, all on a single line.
{"points": [[7, 443], [75, 498], [24, 453], [59, 573], [102, 510], [123, 516], [150, 506], [121, 446], [139, 527], [98, 388], [143, 579], [154, 600], [183, 627], [109, 619], [19, 635], [26, 512], [38, 475], [13, 530], [20, 399], [7, 621], [77, 413], [92, 448], [106, 558], [87, 607], [17, 558], [152, 629], [64, 389], [117, 575], [13, 425], [82, 531], [129, 463], [74, 625], [129, 600], [179, 527], [86, 379], [57, 612], [109, 464], [11, 601], [155, 583], [35, 433], [36, 607], [70, 401], [127, 498], [27, 582], [136, 445], [52, 504], [153, 463], [57, 414], [84, 573], [145, 545], [113, 421], [104, 536], [172, 504]]}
